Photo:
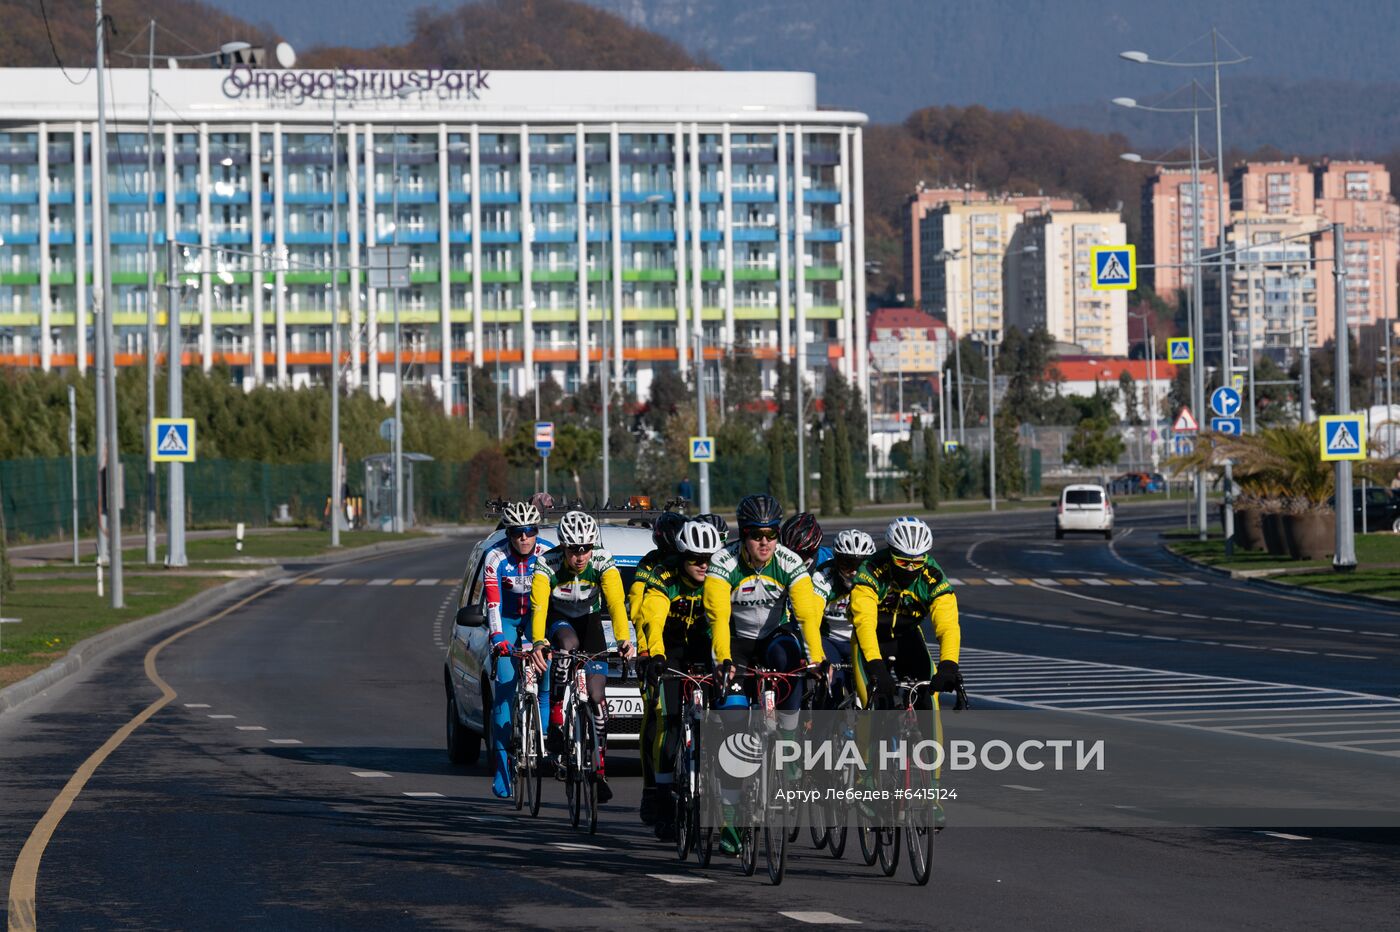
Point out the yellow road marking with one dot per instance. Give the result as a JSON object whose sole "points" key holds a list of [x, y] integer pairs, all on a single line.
{"points": [[974, 581], [404, 582], [1072, 582], [1167, 582], [1117, 582], [308, 582], [1022, 582]]}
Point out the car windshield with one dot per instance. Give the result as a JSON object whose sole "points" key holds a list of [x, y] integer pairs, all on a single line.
{"points": [[1083, 497]]}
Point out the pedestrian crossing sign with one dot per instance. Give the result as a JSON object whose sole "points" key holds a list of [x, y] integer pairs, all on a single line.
{"points": [[1343, 437], [172, 440], [702, 449], [1180, 351], [1114, 267]]}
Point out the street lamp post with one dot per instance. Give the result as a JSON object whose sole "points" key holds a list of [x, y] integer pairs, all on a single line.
{"points": [[108, 385], [1345, 545]]}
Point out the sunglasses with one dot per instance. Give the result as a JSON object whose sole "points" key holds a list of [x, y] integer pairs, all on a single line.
{"points": [[849, 564], [697, 561], [761, 534], [529, 530], [579, 550], [909, 563]]}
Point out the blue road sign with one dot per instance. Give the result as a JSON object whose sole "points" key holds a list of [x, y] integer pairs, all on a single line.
{"points": [[172, 440], [1227, 425], [1180, 351], [1183, 446], [1225, 401], [702, 449], [544, 437], [1114, 267], [1343, 437]]}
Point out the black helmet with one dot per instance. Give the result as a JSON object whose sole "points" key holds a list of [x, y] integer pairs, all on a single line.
{"points": [[664, 530], [802, 534], [718, 523], [759, 511]]}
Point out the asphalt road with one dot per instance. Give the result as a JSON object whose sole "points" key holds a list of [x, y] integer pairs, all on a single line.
{"points": [[297, 778]]}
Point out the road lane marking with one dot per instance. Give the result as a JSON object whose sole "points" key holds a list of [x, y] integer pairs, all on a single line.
{"points": [[196, 705], [250, 728], [679, 878], [284, 581], [998, 581], [223, 716], [380, 582], [1018, 786], [420, 794], [332, 582], [283, 741], [577, 846], [427, 582], [369, 774], [1286, 837], [403, 582], [819, 918], [307, 582]]}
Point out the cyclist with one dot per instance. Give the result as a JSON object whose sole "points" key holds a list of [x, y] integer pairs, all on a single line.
{"points": [[572, 585], [894, 591], [833, 580], [718, 523], [678, 637], [663, 539], [802, 534], [509, 567]]}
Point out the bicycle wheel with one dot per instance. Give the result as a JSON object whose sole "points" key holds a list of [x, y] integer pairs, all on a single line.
{"points": [[586, 754], [515, 763], [889, 850], [748, 850], [533, 770], [918, 830], [683, 775], [573, 771], [836, 842]]}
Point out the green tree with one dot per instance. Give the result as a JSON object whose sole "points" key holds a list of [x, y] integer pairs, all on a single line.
{"points": [[1011, 474], [845, 468], [576, 448], [931, 486], [1128, 391], [828, 487], [1095, 443], [777, 465]]}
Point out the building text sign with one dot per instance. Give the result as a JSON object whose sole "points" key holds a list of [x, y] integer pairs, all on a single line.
{"points": [[294, 85]]}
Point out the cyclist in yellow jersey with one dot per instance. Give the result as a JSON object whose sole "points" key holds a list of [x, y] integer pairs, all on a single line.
{"points": [[572, 585], [678, 638], [894, 591], [663, 538]]}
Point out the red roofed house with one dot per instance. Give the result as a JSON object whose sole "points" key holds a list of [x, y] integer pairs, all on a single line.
{"points": [[908, 340], [1083, 375]]}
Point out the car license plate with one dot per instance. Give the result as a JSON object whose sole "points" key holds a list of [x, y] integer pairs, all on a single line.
{"points": [[625, 705]]}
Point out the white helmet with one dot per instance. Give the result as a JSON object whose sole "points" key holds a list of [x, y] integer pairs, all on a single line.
{"points": [[909, 537], [853, 543], [699, 538], [520, 514], [577, 528]]}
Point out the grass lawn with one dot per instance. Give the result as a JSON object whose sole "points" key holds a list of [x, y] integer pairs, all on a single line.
{"points": [[55, 614], [1377, 558], [219, 552], [1383, 583]]}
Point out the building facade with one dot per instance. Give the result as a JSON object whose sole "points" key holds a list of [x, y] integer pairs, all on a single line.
{"points": [[908, 341], [1049, 280], [544, 214], [1171, 208]]}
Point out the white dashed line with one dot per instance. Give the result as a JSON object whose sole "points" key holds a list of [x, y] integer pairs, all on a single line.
{"points": [[1017, 786], [820, 919], [223, 716], [679, 878], [1286, 837], [283, 581], [576, 846], [997, 581], [379, 582], [196, 705], [283, 741], [250, 728], [426, 582], [369, 774], [331, 582], [423, 795]]}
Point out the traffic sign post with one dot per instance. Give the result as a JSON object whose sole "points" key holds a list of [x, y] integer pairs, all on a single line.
{"points": [[1183, 445], [1225, 401], [172, 440], [1343, 437], [702, 449], [1180, 351], [544, 442], [1114, 268], [1185, 422]]}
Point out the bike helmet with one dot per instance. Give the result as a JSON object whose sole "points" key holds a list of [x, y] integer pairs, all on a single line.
{"points": [[852, 543], [802, 534], [577, 528], [542, 500], [698, 538], [520, 514], [909, 537], [718, 523], [663, 532], [759, 511]]}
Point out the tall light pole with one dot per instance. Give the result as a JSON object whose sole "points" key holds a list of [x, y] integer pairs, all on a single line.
{"points": [[1344, 560], [175, 521], [946, 256], [108, 353]]}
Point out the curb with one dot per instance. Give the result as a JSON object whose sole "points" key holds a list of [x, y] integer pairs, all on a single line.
{"points": [[1247, 578], [87, 652]]}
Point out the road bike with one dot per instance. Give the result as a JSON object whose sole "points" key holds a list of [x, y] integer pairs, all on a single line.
{"points": [[689, 784], [583, 755], [525, 753], [767, 793], [828, 830]]}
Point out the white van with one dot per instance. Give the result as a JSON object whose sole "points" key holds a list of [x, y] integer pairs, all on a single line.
{"points": [[1084, 508]]}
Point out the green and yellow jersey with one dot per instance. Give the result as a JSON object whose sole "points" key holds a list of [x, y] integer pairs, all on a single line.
{"points": [[752, 602], [557, 593], [882, 608], [673, 614]]}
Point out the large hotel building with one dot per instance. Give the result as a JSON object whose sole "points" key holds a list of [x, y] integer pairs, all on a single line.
{"points": [[539, 209]]}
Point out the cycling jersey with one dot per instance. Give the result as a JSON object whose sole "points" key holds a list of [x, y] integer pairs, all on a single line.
{"points": [[753, 603], [557, 593], [507, 578], [831, 586], [673, 615], [638, 590], [883, 609]]}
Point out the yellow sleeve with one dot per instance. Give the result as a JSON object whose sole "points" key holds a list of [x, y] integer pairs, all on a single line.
{"points": [[864, 616], [539, 605], [652, 624], [807, 606], [717, 595], [946, 628], [617, 607], [634, 601]]}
